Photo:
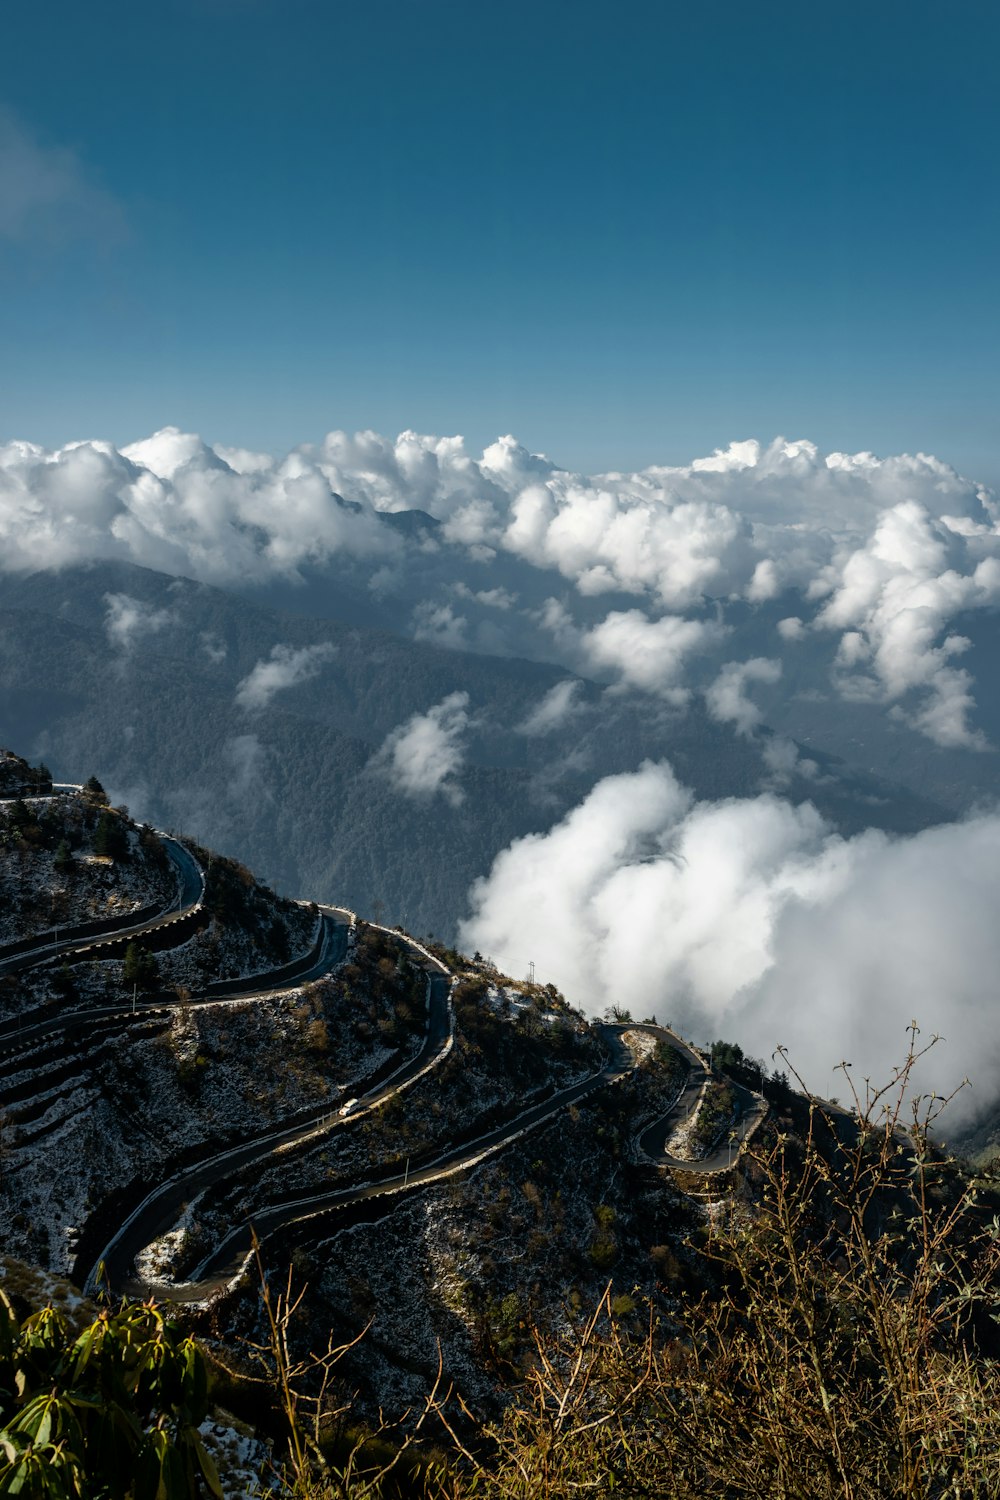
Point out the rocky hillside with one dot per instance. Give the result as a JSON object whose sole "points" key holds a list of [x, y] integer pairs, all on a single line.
{"points": [[71, 859], [19, 779], [456, 1177]]}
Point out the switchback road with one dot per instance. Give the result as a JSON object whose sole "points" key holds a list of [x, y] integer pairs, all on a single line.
{"points": [[25, 1036], [84, 940], [653, 1140], [159, 1209], [227, 1261]]}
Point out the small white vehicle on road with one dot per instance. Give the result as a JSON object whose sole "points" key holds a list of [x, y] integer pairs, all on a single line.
{"points": [[345, 1109]]}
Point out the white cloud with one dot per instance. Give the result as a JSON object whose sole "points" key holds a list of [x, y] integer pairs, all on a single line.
{"points": [[765, 582], [422, 757], [213, 646], [246, 762], [782, 758], [491, 598], [172, 503], [621, 538], [244, 460], [727, 697], [753, 920], [647, 654], [127, 619], [439, 624], [892, 599], [286, 667], [555, 709], [887, 553]]}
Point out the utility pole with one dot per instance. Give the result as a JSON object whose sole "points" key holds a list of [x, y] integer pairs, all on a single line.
{"points": [[531, 971]]}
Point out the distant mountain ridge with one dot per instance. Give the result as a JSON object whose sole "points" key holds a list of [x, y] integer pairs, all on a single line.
{"points": [[135, 675]]}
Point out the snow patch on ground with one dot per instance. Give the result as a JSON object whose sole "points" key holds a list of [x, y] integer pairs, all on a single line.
{"points": [[35, 897], [686, 1146], [509, 1000], [224, 1072], [640, 1044], [683, 1143], [241, 1459], [158, 1257]]}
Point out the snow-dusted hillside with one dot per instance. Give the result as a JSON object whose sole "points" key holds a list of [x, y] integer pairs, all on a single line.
{"points": [[69, 859]]}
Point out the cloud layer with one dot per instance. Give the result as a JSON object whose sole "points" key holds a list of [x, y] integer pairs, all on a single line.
{"points": [[752, 919], [756, 571], [422, 757], [627, 577], [127, 619], [285, 667]]}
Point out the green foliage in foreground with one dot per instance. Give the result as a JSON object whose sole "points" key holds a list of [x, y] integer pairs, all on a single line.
{"points": [[111, 1413], [846, 1348]]}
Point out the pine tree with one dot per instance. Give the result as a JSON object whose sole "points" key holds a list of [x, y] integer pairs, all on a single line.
{"points": [[110, 839], [94, 792], [21, 815], [140, 967]]}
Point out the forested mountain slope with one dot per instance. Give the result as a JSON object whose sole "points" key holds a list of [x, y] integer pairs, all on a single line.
{"points": [[266, 735]]}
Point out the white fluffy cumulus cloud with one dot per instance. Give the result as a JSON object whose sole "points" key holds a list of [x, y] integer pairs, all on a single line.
{"points": [[752, 919], [891, 599], [885, 555], [173, 503], [645, 653], [728, 698], [286, 667], [127, 619], [422, 757]]}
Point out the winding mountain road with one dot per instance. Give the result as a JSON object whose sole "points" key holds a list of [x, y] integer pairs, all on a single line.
{"points": [[25, 1040], [75, 943], [158, 1210], [227, 1261], [24, 1037], [750, 1108]]}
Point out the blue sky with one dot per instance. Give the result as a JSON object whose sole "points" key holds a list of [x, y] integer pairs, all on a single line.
{"points": [[627, 234]]}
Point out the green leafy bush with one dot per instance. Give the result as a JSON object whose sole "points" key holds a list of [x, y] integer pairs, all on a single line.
{"points": [[111, 1413]]}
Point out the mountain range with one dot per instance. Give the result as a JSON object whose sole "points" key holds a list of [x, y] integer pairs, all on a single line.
{"points": [[137, 676]]}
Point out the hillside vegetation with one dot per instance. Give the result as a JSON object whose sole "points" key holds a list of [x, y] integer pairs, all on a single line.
{"points": [[471, 1280], [74, 859], [841, 1343]]}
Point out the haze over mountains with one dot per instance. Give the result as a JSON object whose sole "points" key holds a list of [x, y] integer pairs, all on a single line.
{"points": [[691, 739]]}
